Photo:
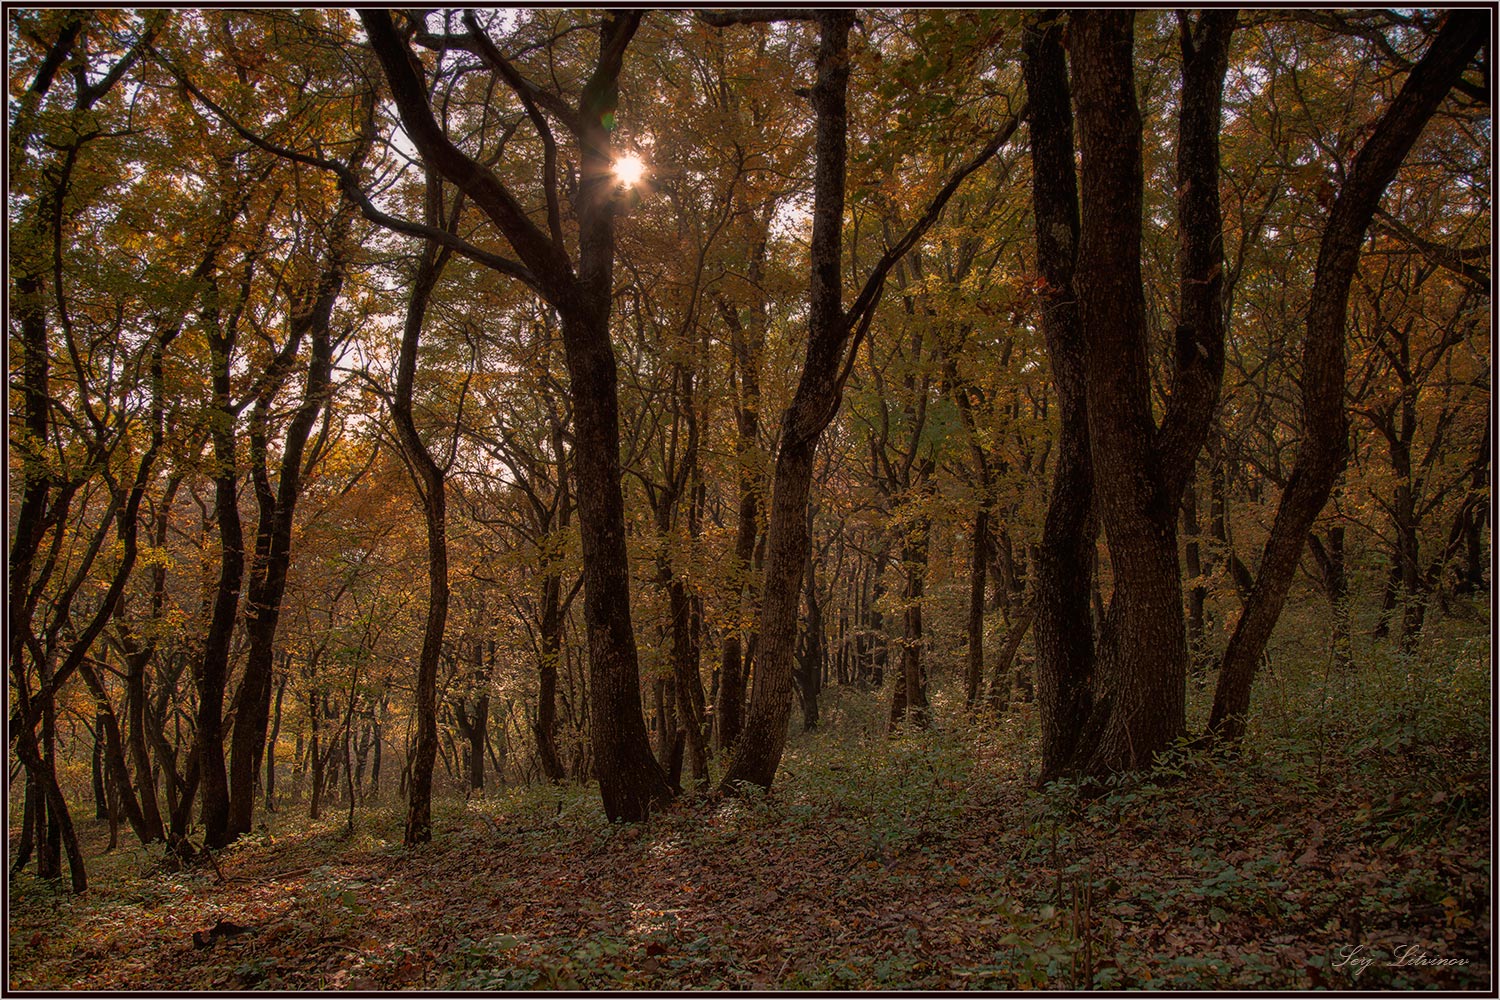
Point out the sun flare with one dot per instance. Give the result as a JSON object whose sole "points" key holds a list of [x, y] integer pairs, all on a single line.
{"points": [[630, 169]]}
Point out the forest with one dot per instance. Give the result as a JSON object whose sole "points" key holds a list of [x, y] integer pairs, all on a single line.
{"points": [[755, 498]]}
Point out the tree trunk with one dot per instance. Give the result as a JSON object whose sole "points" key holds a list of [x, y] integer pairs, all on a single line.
{"points": [[758, 751], [747, 341], [311, 315], [52, 812], [113, 768], [812, 653], [1330, 560], [1000, 683], [545, 726], [912, 686], [270, 784], [30, 809], [978, 566], [213, 668], [432, 495], [314, 756], [1197, 570], [96, 770], [1065, 560]]}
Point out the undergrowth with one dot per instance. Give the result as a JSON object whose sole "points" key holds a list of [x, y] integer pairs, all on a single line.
{"points": [[1345, 846]]}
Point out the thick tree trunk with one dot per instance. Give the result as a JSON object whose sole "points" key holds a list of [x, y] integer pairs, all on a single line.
{"points": [[545, 726], [1113, 708], [631, 783], [1140, 472], [1325, 421], [1065, 560]]}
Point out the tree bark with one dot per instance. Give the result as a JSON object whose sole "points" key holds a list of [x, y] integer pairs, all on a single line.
{"points": [[758, 751], [213, 667], [270, 782], [978, 573], [545, 726], [1065, 559], [430, 479]]}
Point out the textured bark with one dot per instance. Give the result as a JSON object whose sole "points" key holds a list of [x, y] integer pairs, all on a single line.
{"points": [[816, 400], [1114, 706], [545, 726], [1324, 449], [552, 611], [1065, 559], [1198, 369], [1140, 471], [213, 667]]}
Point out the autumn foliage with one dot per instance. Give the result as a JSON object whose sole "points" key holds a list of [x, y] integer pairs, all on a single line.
{"points": [[764, 498]]}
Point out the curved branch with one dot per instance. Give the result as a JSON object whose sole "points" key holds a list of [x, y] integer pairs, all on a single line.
{"points": [[350, 186], [491, 55]]}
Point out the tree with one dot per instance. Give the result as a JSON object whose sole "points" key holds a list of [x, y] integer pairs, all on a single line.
{"points": [[631, 782], [1325, 421], [833, 334]]}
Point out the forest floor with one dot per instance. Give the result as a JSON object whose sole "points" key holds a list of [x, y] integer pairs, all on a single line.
{"points": [[1347, 847]]}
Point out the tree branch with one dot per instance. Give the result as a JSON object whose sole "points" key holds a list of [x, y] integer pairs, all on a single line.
{"points": [[870, 294], [350, 186]]}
